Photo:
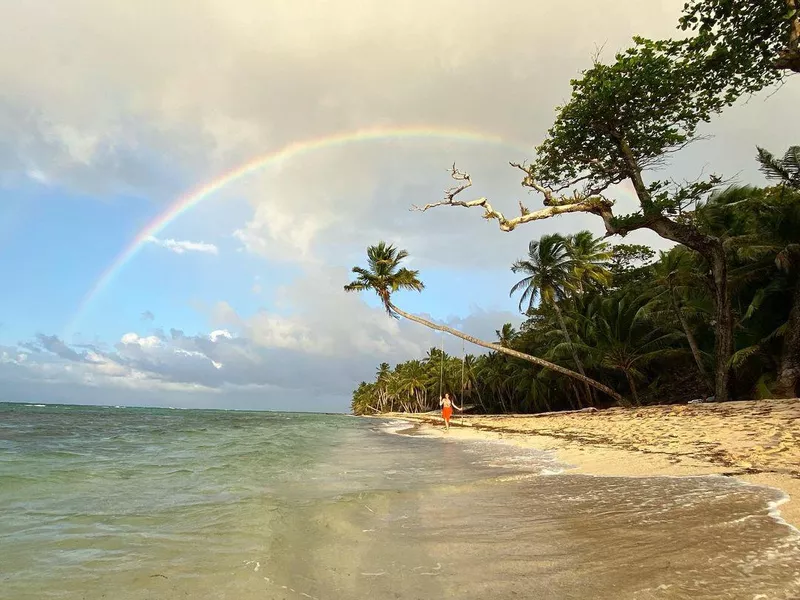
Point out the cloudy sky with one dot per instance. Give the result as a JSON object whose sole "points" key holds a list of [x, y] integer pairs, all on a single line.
{"points": [[112, 111]]}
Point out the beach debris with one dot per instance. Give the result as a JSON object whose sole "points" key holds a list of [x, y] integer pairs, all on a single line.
{"points": [[257, 564], [434, 571]]}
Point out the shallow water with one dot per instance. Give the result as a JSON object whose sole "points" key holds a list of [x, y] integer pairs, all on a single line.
{"points": [[154, 503]]}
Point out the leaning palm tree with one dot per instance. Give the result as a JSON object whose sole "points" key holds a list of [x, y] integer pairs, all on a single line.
{"points": [[550, 274], [385, 276]]}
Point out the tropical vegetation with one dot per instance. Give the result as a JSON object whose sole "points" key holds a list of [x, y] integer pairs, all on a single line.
{"points": [[639, 324]]}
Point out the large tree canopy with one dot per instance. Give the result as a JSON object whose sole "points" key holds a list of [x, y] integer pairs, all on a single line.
{"points": [[750, 41], [624, 118]]}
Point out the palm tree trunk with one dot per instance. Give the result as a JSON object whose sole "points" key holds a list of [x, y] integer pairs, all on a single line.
{"points": [[480, 401], [724, 325], [508, 351], [546, 403], [691, 339], [632, 385], [576, 394], [789, 370], [577, 360], [503, 406]]}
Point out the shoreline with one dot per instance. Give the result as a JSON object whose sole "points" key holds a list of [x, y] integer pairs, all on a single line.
{"points": [[756, 442]]}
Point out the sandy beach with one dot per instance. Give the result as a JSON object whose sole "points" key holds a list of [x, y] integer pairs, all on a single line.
{"points": [[754, 441]]}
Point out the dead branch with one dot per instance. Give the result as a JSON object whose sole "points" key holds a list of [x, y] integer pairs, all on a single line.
{"points": [[595, 204]]}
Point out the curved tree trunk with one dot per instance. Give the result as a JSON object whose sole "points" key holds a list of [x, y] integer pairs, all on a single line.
{"points": [[577, 360], [691, 339], [508, 351], [789, 370]]}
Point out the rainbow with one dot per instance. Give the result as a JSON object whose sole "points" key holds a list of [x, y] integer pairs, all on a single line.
{"points": [[288, 152]]}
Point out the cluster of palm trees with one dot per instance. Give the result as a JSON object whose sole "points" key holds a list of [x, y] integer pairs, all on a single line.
{"points": [[608, 324], [416, 385], [558, 268]]}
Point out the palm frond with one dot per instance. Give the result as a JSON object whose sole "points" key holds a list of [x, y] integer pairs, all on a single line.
{"points": [[763, 390], [772, 167], [761, 295], [741, 356], [355, 286]]}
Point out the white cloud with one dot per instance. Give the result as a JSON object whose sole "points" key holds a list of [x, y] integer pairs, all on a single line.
{"points": [[182, 246], [144, 342], [220, 333]]}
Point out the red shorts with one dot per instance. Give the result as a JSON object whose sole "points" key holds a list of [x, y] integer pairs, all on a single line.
{"points": [[447, 412]]}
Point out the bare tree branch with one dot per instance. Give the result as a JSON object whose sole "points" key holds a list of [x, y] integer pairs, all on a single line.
{"points": [[597, 205], [458, 176]]}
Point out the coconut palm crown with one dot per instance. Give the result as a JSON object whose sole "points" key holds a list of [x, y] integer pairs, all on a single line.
{"points": [[384, 275]]}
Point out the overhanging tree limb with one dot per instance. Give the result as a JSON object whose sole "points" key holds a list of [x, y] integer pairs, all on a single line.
{"points": [[554, 205]]}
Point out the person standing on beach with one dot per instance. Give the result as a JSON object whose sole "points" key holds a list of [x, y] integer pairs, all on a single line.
{"points": [[447, 408]]}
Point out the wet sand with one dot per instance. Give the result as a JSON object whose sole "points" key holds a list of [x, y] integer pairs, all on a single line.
{"points": [[755, 441]]}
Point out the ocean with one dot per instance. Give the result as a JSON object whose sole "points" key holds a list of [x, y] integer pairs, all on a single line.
{"points": [[145, 503]]}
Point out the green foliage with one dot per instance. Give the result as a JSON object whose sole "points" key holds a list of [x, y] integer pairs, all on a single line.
{"points": [[589, 257], [644, 105], [625, 257], [384, 275], [629, 264], [741, 42], [548, 272], [786, 170], [558, 266], [415, 385], [761, 229]]}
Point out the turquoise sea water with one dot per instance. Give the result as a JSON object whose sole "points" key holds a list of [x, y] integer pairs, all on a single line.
{"points": [[135, 503]]}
